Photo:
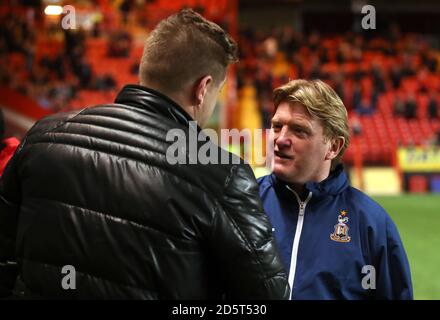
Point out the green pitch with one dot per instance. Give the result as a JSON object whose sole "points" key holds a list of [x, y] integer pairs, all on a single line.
{"points": [[418, 220]]}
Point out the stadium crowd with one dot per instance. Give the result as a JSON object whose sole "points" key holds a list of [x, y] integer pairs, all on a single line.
{"points": [[401, 67], [359, 69]]}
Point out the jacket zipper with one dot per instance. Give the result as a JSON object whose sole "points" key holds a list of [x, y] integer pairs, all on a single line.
{"points": [[299, 226]]}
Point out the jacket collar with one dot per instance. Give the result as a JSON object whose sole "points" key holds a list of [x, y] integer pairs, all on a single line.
{"points": [[153, 101], [334, 184]]}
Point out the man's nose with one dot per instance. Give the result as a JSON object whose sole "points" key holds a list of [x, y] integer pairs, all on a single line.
{"points": [[283, 141]]}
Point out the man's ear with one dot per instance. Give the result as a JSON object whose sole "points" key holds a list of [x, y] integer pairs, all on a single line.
{"points": [[201, 88], [336, 145]]}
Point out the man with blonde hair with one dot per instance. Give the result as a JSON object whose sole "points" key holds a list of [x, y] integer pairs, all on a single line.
{"points": [[90, 206], [336, 242]]}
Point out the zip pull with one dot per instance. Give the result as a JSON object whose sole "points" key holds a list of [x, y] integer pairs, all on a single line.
{"points": [[302, 204], [301, 208]]}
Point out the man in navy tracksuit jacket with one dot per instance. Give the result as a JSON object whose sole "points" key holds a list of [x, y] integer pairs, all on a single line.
{"points": [[335, 241]]}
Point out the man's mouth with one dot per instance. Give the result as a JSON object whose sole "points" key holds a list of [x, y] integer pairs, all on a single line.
{"points": [[282, 155]]}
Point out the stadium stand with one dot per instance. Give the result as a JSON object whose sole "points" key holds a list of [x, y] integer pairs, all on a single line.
{"points": [[389, 82]]}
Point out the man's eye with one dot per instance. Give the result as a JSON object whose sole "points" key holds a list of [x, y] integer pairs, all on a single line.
{"points": [[301, 132]]}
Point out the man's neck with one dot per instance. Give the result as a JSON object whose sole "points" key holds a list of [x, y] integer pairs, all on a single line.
{"points": [[177, 98]]}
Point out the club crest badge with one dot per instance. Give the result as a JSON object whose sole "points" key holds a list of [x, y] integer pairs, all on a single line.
{"points": [[341, 229]]}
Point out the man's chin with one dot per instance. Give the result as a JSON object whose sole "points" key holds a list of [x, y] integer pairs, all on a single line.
{"points": [[284, 176], [282, 172]]}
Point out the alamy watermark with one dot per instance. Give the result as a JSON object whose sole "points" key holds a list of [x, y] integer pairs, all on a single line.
{"points": [[69, 280], [257, 146], [369, 280], [69, 19], [369, 20]]}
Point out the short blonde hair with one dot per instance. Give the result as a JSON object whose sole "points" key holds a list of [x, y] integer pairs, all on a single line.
{"points": [[323, 103], [183, 48]]}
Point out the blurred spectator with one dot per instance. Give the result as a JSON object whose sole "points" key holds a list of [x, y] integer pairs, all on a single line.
{"points": [[7, 145], [39, 75], [323, 56], [357, 95], [378, 78], [74, 44], [125, 8], [423, 79], [62, 92], [433, 106], [315, 71], [105, 83], [355, 126], [399, 107], [396, 76], [408, 69], [83, 71], [267, 109], [410, 106], [314, 41], [42, 97], [97, 30], [29, 49], [338, 85], [55, 64], [394, 33], [289, 42], [429, 59], [358, 74], [298, 62], [365, 107], [270, 47], [119, 44], [343, 54]]}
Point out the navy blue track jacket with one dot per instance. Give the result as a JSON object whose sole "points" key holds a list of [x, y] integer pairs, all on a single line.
{"points": [[337, 243]]}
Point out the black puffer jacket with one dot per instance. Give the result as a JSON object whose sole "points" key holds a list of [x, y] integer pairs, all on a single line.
{"points": [[93, 190]]}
